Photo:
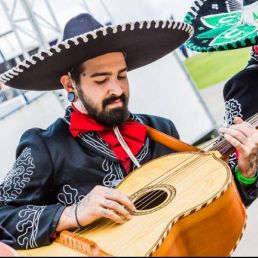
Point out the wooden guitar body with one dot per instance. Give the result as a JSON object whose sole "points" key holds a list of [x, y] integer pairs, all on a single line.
{"points": [[187, 205]]}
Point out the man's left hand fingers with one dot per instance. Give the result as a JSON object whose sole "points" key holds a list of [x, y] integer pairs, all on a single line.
{"points": [[236, 134], [237, 144]]}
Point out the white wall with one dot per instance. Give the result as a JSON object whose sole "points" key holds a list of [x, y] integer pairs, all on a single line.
{"points": [[163, 89]]}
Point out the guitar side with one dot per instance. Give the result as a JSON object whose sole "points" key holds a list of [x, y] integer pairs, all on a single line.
{"points": [[212, 230]]}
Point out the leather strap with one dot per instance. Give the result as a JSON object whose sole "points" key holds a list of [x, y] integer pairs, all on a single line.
{"points": [[169, 141]]}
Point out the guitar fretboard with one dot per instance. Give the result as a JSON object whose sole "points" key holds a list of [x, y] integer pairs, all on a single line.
{"points": [[222, 145]]}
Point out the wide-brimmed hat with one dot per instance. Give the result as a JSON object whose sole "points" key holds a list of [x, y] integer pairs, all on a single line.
{"points": [[223, 24], [85, 38]]}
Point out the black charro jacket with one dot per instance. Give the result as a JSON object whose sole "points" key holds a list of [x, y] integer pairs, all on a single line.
{"points": [[54, 170]]}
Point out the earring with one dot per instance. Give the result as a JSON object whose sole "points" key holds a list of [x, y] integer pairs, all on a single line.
{"points": [[71, 96]]}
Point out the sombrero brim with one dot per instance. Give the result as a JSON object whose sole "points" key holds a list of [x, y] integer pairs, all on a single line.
{"points": [[217, 28], [143, 43]]}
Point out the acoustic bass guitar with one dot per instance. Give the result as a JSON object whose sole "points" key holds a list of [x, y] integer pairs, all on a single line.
{"points": [[187, 204]]}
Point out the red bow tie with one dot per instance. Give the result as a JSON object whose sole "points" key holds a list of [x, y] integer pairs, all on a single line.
{"points": [[133, 133]]}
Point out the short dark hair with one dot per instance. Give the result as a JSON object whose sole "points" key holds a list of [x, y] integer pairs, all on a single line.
{"points": [[76, 73]]}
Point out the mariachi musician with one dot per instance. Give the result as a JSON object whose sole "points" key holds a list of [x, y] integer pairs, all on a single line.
{"points": [[65, 176]]}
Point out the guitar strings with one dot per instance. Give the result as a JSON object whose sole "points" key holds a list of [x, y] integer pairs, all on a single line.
{"points": [[226, 145], [222, 144]]}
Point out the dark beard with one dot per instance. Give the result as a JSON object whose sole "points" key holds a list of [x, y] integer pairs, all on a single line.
{"points": [[108, 118]]}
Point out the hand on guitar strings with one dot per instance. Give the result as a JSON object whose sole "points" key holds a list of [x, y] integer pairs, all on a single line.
{"points": [[244, 137], [101, 202]]}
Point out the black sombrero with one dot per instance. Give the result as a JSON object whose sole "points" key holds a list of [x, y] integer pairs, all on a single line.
{"points": [[223, 24], [85, 38]]}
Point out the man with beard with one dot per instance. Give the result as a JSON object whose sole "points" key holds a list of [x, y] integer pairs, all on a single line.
{"points": [[64, 176]]}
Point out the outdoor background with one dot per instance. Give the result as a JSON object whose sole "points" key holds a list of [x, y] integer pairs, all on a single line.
{"points": [[202, 74]]}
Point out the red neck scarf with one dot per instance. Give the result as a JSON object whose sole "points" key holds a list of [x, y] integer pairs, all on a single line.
{"points": [[133, 133]]}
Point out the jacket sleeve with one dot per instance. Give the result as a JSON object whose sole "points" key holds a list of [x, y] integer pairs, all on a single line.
{"points": [[26, 209], [240, 95]]}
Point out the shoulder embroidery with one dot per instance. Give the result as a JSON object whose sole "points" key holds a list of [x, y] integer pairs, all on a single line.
{"points": [[28, 226], [18, 177], [69, 195], [95, 141], [137, 118], [232, 110]]}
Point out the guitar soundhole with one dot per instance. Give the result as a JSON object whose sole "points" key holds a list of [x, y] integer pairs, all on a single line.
{"points": [[150, 200]]}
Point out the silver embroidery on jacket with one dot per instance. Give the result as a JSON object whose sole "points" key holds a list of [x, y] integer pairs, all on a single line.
{"points": [[28, 226], [232, 161], [233, 109], [96, 142], [69, 196], [115, 173], [17, 178]]}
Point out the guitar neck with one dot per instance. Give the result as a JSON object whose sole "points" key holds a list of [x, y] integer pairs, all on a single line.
{"points": [[223, 146]]}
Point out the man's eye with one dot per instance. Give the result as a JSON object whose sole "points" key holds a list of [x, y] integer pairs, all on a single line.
{"points": [[122, 77], [101, 82]]}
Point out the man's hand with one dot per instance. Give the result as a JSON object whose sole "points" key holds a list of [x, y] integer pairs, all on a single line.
{"points": [[244, 137], [100, 202]]}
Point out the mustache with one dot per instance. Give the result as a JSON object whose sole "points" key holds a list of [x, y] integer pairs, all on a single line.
{"points": [[113, 99]]}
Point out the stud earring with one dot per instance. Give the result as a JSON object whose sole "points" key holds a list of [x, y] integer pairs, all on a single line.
{"points": [[71, 96]]}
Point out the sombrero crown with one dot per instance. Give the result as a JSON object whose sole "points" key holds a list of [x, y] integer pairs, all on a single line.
{"points": [[223, 24], [85, 38]]}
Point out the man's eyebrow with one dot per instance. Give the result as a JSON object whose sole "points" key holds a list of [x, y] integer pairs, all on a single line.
{"points": [[107, 73], [100, 74], [123, 70]]}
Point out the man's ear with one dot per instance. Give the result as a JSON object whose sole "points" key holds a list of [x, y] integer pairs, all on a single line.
{"points": [[65, 80]]}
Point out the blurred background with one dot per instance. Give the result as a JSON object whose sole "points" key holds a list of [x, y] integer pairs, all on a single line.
{"points": [[186, 87]]}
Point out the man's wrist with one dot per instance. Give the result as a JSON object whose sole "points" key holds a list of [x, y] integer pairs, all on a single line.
{"points": [[67, 219], [245, 180], [76, 215]]}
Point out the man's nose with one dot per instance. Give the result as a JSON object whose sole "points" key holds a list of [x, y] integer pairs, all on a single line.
{"points": [[115, 88]]}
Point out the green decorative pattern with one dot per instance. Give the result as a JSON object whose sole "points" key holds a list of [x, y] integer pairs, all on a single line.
{"points": [[221, 31], [189, 18]]}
